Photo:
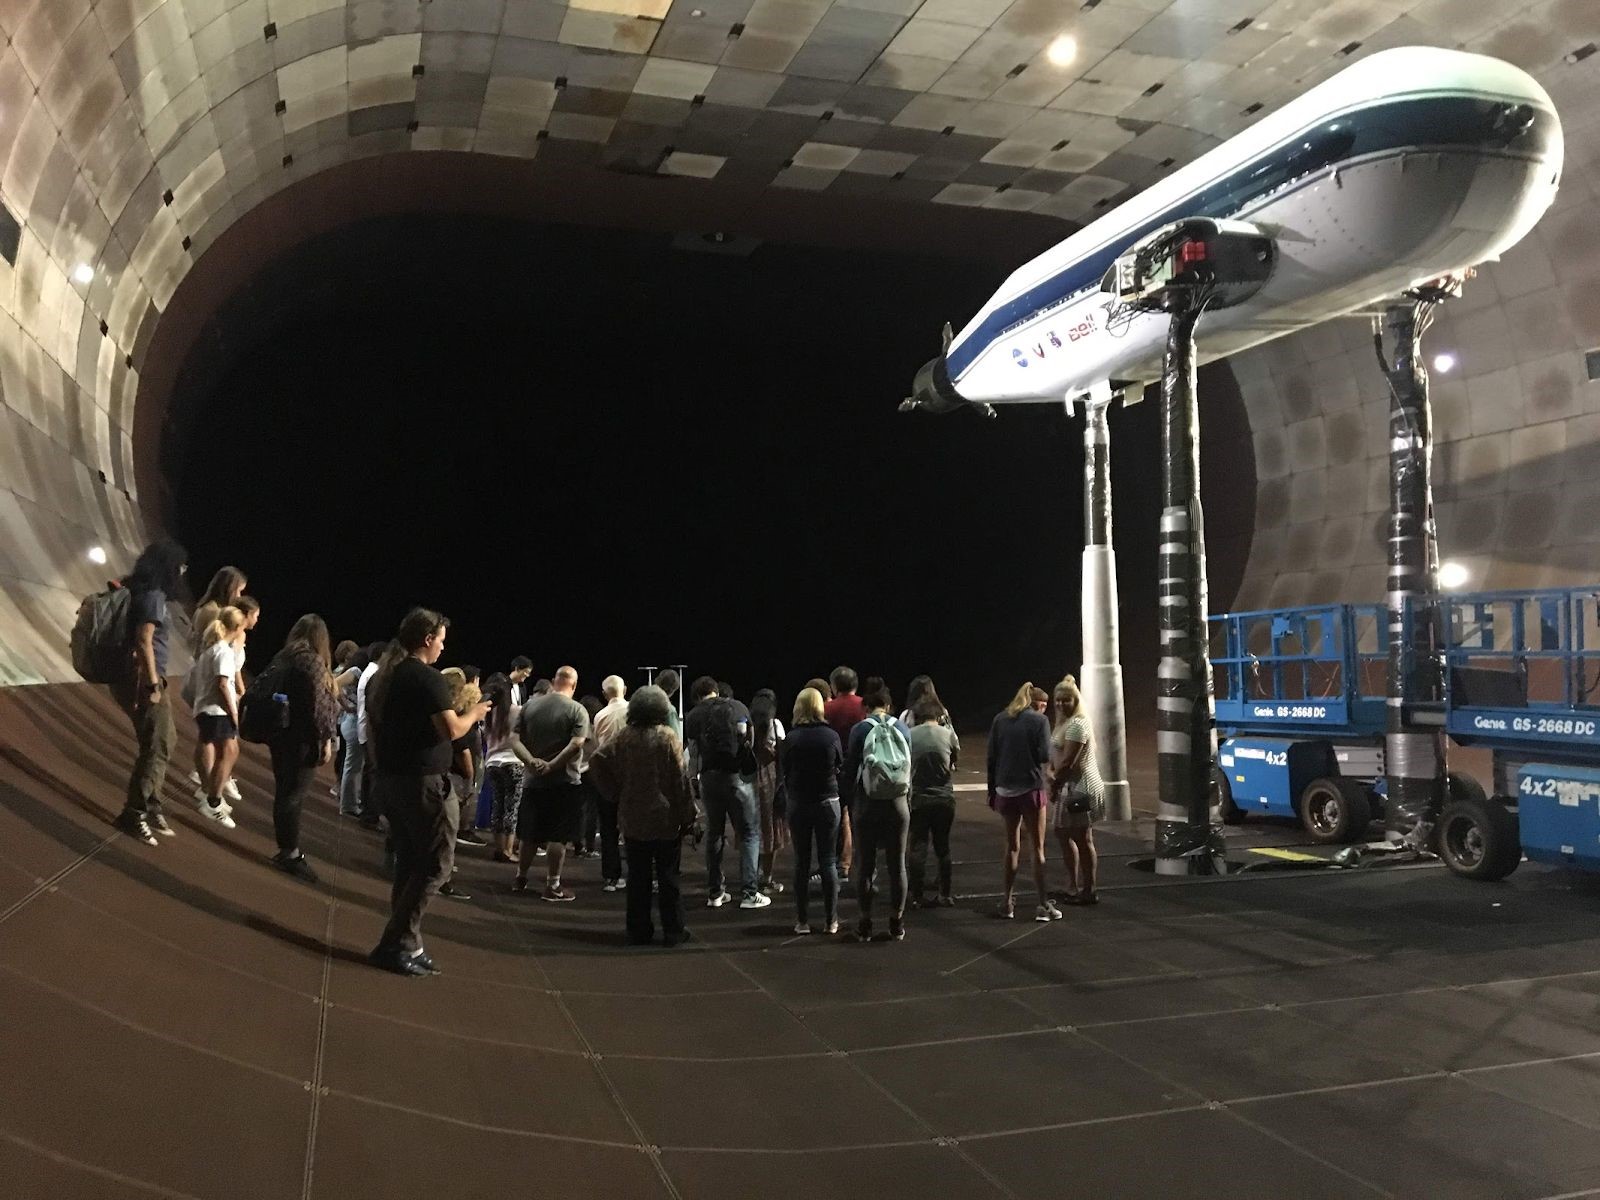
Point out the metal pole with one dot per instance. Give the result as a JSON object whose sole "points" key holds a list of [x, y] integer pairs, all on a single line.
{"points": [[1187, 843], [1414, 757], [1101, 673]]}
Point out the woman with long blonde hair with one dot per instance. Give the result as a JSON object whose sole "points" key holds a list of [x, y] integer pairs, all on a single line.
{"points": [[1019, 751], [1077, 795], [210, 690]]}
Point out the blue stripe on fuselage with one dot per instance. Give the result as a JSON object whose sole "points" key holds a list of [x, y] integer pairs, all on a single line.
{"points": [[1422, 123]]}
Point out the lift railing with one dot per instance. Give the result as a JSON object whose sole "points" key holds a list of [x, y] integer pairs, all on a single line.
{"points": [[1520, 666], [1318, 666]]}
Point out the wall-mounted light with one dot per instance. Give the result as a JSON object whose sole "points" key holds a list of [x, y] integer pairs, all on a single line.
{"points": [[97, 555], [1444, 363], [83, 273], [1453, 576], [1062, 51]]}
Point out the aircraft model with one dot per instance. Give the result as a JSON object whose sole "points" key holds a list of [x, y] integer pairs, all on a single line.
{"points": [[1409, 165]]}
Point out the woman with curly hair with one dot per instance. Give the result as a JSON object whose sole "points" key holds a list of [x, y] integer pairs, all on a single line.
{"points": [[640, 770], [301, 671]]}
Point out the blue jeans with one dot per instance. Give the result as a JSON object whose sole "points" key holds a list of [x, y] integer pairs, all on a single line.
{"points": [[354, 757], [725, 795], [815, 825]]}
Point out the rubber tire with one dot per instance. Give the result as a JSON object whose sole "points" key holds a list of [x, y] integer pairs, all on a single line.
{"points": [[1232, 814], [1354, 809], [1497, 836]]}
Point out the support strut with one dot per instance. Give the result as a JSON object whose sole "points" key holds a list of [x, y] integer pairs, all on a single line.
{"points": [[1187, 842], [1414, 756], [1101, 673]]}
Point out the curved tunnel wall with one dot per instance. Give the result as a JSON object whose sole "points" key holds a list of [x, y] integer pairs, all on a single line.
{"points": [[1517, 420], [136, 133]]}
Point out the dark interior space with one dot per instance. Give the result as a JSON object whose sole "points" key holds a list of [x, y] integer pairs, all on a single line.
{"points": [[601, 448]]}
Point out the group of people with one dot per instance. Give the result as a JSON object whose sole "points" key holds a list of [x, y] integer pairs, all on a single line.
{"points": [[852, 786]]}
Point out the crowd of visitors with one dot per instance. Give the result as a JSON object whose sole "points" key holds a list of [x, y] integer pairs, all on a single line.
{"points": [[426, 755]]}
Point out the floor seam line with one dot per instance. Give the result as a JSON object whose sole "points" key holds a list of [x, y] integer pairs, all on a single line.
{"points": [[934, 1136], [46, 885], [323, 1004], [643, 1143]]}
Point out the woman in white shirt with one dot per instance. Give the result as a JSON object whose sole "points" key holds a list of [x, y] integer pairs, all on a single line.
{"points": [[506, 766], [216, 709]]}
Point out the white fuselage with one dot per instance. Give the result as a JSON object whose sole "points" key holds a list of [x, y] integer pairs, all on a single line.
{"points": [[1408, 165]]}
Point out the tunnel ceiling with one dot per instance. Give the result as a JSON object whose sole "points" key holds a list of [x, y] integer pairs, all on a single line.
{"points": [[135, 133]]}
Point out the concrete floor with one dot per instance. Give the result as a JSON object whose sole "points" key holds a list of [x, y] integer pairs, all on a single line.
{"points": [[183, 1021]]}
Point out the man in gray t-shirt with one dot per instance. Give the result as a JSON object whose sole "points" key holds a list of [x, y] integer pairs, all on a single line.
{"points": [[554, 728]]}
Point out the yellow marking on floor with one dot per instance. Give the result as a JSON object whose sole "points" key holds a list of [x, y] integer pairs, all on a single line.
{"points": [[1286, 855]]}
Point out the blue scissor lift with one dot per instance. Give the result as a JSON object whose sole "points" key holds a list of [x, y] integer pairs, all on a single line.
{"points": [[1300, 715], [1522, 680]]}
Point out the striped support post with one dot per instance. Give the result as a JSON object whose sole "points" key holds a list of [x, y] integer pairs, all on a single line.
{"points": [[1101, 673], [1187, 842], [1414, 757]]}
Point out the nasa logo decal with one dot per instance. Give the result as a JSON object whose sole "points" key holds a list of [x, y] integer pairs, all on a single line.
{"points": [[1021, 359]]}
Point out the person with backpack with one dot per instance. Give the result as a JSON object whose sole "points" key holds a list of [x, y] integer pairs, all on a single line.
{"points": [[301, 673], [878, 770], [210, 692], [934, 750], [138, 643], [719, 729], [1019, 751], [808, 762], [767, 734]]}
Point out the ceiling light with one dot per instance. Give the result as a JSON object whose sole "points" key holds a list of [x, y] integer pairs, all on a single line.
{"points": [[83, 273], [1444, 363], [1453, 576], [1062, 51], [97, 555]]}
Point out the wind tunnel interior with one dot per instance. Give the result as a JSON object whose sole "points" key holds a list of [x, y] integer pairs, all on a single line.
{"points": [[630, 446]]}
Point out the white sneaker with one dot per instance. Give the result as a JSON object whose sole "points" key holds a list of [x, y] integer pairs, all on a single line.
{"points": [[194, 778], [802, 928], [755, 901], [230, 791], [219, 814], [719, 899], [1047, 912]]}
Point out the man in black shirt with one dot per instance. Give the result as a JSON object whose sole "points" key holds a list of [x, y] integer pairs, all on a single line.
{"points": [[718, 730], [413, 725]]}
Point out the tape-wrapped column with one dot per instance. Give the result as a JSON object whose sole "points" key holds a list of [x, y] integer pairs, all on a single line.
{"points": [[1187, 842], [1414, 757], [1101, 673]]}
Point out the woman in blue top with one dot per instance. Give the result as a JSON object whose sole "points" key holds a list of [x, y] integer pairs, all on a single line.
{"points": [[1019, 752]]}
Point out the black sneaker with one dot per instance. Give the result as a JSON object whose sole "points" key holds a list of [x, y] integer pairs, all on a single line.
{"points": [[135, 826], [469, 839], [897, 931], [452, 891], [675, 939], [159, 824], [296, 866]]}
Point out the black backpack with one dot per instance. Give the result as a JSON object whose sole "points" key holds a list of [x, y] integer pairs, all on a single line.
{"points": [[720, 743], [264, 708], [102, 642]]}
